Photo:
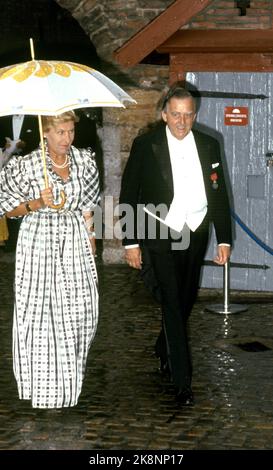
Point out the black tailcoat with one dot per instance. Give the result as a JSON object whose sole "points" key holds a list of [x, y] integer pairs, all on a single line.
{"points": [[147, 179]]}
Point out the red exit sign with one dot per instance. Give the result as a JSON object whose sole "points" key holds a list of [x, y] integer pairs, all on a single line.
{"points": [[236, 116]]}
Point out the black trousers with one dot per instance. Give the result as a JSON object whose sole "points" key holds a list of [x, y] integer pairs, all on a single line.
{"points": [[177, 273]]}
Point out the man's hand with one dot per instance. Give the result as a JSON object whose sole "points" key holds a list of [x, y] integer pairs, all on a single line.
{"points": [[133, 257], [223, 254]]}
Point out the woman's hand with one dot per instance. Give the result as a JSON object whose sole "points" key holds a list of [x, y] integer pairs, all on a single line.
{"points": [[46, 197], [93, 245]]}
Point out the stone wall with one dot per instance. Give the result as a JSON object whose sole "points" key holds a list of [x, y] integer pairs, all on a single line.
{"points": [[110, 23], [120, 126]]}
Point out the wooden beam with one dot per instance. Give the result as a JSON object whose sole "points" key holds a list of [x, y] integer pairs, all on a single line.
{"points": [[177, 74], [221, 62], [207, 41], [159, 30]]}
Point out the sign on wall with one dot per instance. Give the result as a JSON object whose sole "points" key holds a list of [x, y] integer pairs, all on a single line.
{"points": [[236, 116]]}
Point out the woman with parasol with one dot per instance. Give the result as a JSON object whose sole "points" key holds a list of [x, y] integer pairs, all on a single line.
{"points": [[56, 298]]}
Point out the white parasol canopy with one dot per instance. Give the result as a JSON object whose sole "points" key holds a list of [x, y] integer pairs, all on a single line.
{"points": [[53, 87], [41, 87]]}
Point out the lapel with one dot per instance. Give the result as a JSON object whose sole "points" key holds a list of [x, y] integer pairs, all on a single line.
{"points": [[204, 155], [162, 155]]}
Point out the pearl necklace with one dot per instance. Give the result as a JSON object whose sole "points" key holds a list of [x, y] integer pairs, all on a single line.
{"points": [[63, 165]]}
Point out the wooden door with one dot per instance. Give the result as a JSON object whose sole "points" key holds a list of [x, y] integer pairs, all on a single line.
{"points": [[249, 174]]}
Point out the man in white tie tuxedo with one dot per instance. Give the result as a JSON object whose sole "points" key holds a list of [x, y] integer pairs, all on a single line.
{"points": [[175, 167]]}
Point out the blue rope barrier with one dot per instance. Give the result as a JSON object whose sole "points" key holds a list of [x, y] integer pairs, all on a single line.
{"points": [[251, 234]]}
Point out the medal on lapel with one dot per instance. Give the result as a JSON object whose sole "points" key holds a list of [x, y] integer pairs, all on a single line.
{"points": [[214, 178]]}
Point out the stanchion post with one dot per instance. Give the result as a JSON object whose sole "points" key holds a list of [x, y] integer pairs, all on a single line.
{"points": [[226, 308]]}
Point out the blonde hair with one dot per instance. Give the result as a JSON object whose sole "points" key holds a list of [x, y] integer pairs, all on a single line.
{"points": [[52, 121]]}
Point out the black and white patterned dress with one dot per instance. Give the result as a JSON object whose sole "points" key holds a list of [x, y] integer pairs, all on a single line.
{"points": [[56, 298]]}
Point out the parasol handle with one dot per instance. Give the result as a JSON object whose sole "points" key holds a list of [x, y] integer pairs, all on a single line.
{"points": [[62, 194], [31, 48], [43, 149], [62, 203]]}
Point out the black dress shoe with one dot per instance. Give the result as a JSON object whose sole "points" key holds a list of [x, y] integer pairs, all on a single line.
{"points": [[185, 397]]}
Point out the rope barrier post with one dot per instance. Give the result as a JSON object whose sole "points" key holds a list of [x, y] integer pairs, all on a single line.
{"points": [[226, 308]]}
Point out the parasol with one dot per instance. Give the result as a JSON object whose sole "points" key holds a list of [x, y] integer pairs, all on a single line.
{"points": [[41, 87]]}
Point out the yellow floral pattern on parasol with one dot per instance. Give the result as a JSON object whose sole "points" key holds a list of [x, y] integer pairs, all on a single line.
{"points": [[41, 68]]}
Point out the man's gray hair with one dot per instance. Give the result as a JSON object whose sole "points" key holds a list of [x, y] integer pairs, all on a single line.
{"points": [[176, 91]]}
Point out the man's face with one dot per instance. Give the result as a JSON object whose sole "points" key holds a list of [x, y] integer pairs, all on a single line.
{"points": [[179, 116]]}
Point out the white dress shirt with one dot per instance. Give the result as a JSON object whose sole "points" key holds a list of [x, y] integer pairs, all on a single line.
{"points": [[189, 204]]}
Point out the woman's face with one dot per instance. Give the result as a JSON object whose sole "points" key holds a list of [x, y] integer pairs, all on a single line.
{"points": [[60, 137]]}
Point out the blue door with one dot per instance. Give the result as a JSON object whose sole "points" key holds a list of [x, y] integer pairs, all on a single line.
{"points": [[249, 172]]}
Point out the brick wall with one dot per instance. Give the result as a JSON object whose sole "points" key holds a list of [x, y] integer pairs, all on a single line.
{"points": [[111, 23], [226, 14]]}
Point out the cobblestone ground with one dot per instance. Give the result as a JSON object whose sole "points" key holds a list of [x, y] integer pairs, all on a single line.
{"points": [[125, 403]]}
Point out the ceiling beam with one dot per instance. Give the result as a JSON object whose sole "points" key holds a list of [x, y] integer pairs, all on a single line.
{"points": [[208, 41], [221, 62], [159, 30]]}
